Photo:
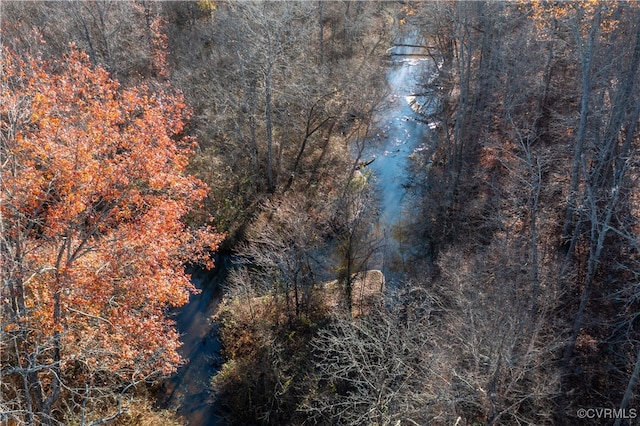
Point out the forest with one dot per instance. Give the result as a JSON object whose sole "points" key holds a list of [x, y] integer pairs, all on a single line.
{"points": [[425, 211]]}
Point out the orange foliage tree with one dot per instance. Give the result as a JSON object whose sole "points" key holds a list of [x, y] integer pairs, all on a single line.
{"points": [[93, 193]]}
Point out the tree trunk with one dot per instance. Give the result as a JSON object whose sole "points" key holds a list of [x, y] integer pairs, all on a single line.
{"points": [[320, 33], [631, 385], [586, 57], [271, 184]]}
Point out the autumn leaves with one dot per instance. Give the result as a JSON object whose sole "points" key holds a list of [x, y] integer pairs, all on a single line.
{"points": [[93, 192]]}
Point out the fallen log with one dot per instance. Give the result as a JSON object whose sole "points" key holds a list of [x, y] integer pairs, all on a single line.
{"points": [[364, 164]]}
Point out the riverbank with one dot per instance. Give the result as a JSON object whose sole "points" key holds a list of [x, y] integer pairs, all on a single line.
{"points": [[275, 306], [294, 242]]}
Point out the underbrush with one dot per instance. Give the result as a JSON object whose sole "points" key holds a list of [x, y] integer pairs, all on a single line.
{"points": [[268, 356]]}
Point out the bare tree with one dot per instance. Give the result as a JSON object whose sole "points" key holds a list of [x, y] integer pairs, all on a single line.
{"points": [[126, 38], [384, 368], [284, 254]]}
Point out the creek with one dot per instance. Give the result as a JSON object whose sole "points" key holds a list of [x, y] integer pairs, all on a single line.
{"points": [[188, 391], [402, 129]]}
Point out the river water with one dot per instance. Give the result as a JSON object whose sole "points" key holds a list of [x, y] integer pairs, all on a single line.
{"points": [[188, 391], [402, 130]]}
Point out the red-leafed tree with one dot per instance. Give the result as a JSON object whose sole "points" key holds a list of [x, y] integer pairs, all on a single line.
{"points": [[93, 191]]}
